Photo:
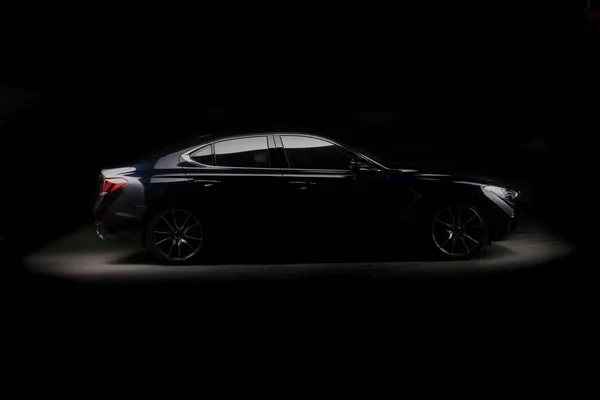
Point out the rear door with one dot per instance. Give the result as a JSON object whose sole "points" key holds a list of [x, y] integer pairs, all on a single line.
{"points": [[235, 182]]}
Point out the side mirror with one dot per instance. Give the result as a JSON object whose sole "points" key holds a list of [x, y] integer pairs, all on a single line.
{"points": [[362, 166]]}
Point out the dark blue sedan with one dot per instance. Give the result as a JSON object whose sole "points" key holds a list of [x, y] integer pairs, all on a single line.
{"points": [[218, 187]]}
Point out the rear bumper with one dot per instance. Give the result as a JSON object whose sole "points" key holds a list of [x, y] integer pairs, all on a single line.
{"points": [[118, 228], [118, 219], [103, 233]]}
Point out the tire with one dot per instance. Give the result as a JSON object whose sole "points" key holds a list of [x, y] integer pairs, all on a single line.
{"points": [[175, 236], [457, 231]]}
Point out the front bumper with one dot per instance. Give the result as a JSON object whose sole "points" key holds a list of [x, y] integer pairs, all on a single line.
{"points": [[517, 216], [502, 217]]}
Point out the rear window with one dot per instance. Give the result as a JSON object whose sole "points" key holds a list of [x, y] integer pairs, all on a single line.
{"points": [[203, 155]]}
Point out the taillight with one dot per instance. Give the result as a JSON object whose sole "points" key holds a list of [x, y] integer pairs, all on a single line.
{"points": [[109, 185]]}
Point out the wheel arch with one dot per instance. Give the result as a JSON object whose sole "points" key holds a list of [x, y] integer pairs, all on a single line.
{"points": [[161, 205], [430, 199]]}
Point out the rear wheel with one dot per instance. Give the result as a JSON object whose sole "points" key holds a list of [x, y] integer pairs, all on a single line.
{"points": [[459, 231], [175, 236]]}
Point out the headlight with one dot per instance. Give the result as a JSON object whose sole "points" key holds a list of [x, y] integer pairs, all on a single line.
{"points": [[503, 193]]}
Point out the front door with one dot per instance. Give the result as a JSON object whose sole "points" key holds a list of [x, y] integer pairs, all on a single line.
{"points": [[326, 199]]}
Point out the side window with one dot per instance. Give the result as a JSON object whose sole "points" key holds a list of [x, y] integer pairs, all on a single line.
{"points": [[250, 152], [310, 153], [203, 155]]}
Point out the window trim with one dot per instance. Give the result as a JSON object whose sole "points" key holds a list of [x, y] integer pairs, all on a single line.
{"points": [[278, 142], [186, 155], [344, 148]]}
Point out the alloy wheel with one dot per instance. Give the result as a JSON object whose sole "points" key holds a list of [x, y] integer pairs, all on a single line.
{"points": [[177, 235], [459, 231]]}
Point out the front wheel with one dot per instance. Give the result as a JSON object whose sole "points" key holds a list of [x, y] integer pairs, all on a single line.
{"points": [[175, 236], [459, 231]]}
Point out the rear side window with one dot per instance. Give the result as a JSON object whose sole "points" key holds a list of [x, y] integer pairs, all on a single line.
{"points": [[252, 152], [203, 155]]}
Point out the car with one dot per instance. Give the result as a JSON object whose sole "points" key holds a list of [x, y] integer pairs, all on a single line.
{"points": [[215, 188]]}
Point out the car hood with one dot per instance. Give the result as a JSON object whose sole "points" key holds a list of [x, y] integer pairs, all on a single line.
{"points": [[456, 177]]}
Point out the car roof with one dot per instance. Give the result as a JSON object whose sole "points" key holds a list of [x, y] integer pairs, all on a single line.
{"points": [[251, 133], [225, 135]]}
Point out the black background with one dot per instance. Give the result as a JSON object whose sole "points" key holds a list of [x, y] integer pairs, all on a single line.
{"points": [[473, 82]]}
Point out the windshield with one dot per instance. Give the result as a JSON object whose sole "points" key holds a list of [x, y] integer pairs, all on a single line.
{"points": [[386, 161]]}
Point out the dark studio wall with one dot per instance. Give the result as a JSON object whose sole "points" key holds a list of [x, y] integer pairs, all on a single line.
{"points": [[483, 101], [58, 150]]}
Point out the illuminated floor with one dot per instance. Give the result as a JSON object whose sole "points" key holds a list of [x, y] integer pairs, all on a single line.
{"points": [[81, 256]]}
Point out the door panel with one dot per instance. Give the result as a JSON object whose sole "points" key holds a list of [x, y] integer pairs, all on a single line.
{"points": [[328, 202], [236, 193], [318, 200], [341, 202], [236, 200]]}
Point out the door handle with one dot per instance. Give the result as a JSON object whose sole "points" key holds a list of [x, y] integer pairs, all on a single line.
{"points": [[304, 185], [207, 183]]}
